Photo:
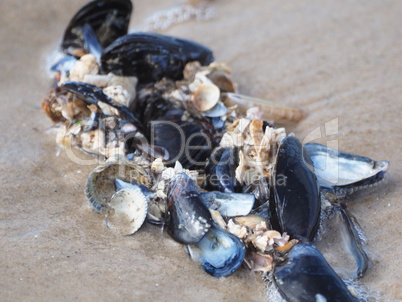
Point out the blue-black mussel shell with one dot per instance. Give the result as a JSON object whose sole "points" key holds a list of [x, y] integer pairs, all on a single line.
{"points": [[151, 56], [188, 219], [220, 170], [306, 276], [220, 252], [295, 201], [109, 20]]}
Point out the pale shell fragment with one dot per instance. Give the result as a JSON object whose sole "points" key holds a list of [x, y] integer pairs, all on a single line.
{"points": [[93, 141], [205, 93], [108, 110], [222, 79], [258, 262], [86, 65], [237, 229], [122, 89], [206, 96], [127, 211], [265, 242], [100, 80], [270, 111], [168, 173], [217, 218], [251, 221], [157, 166]]}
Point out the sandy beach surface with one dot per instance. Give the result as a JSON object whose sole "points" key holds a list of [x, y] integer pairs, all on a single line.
{"points": [[338, 60]]}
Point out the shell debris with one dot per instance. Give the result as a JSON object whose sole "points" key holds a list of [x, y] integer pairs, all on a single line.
{"points": [[127, 211]]}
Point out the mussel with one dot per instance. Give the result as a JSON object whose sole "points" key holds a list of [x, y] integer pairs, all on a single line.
{"points": [[344, 173], [188, 219], [96, 25], [220, 253], [295, 201], [305, 275], [152, 56]]}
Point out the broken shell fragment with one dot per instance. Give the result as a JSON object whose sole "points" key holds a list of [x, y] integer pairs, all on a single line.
{"points": [[127, 211], [121, 89], [222, 79], [251, 221], [86, 65], [270, 111], [218, 219], [258, 262]]}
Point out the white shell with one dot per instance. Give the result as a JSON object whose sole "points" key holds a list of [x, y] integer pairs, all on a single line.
{"points": [[205, 93], [269, 110], [121, 89], [127, 211], [206, 96], [86, 65]]}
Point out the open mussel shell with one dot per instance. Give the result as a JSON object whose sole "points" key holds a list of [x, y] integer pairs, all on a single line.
{"points": [[344, 249], [305, 275], [229, 204], [188, 219], [295, 201], [100, 185], [220, 253], [108, 20], [151, 56], [344, 172], [127, 211]]}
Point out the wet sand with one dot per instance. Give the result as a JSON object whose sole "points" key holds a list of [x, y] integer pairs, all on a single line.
{"points": [[336, 60]]}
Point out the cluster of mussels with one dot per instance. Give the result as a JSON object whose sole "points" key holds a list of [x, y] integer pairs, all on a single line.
{"points": [[184, 150]]}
